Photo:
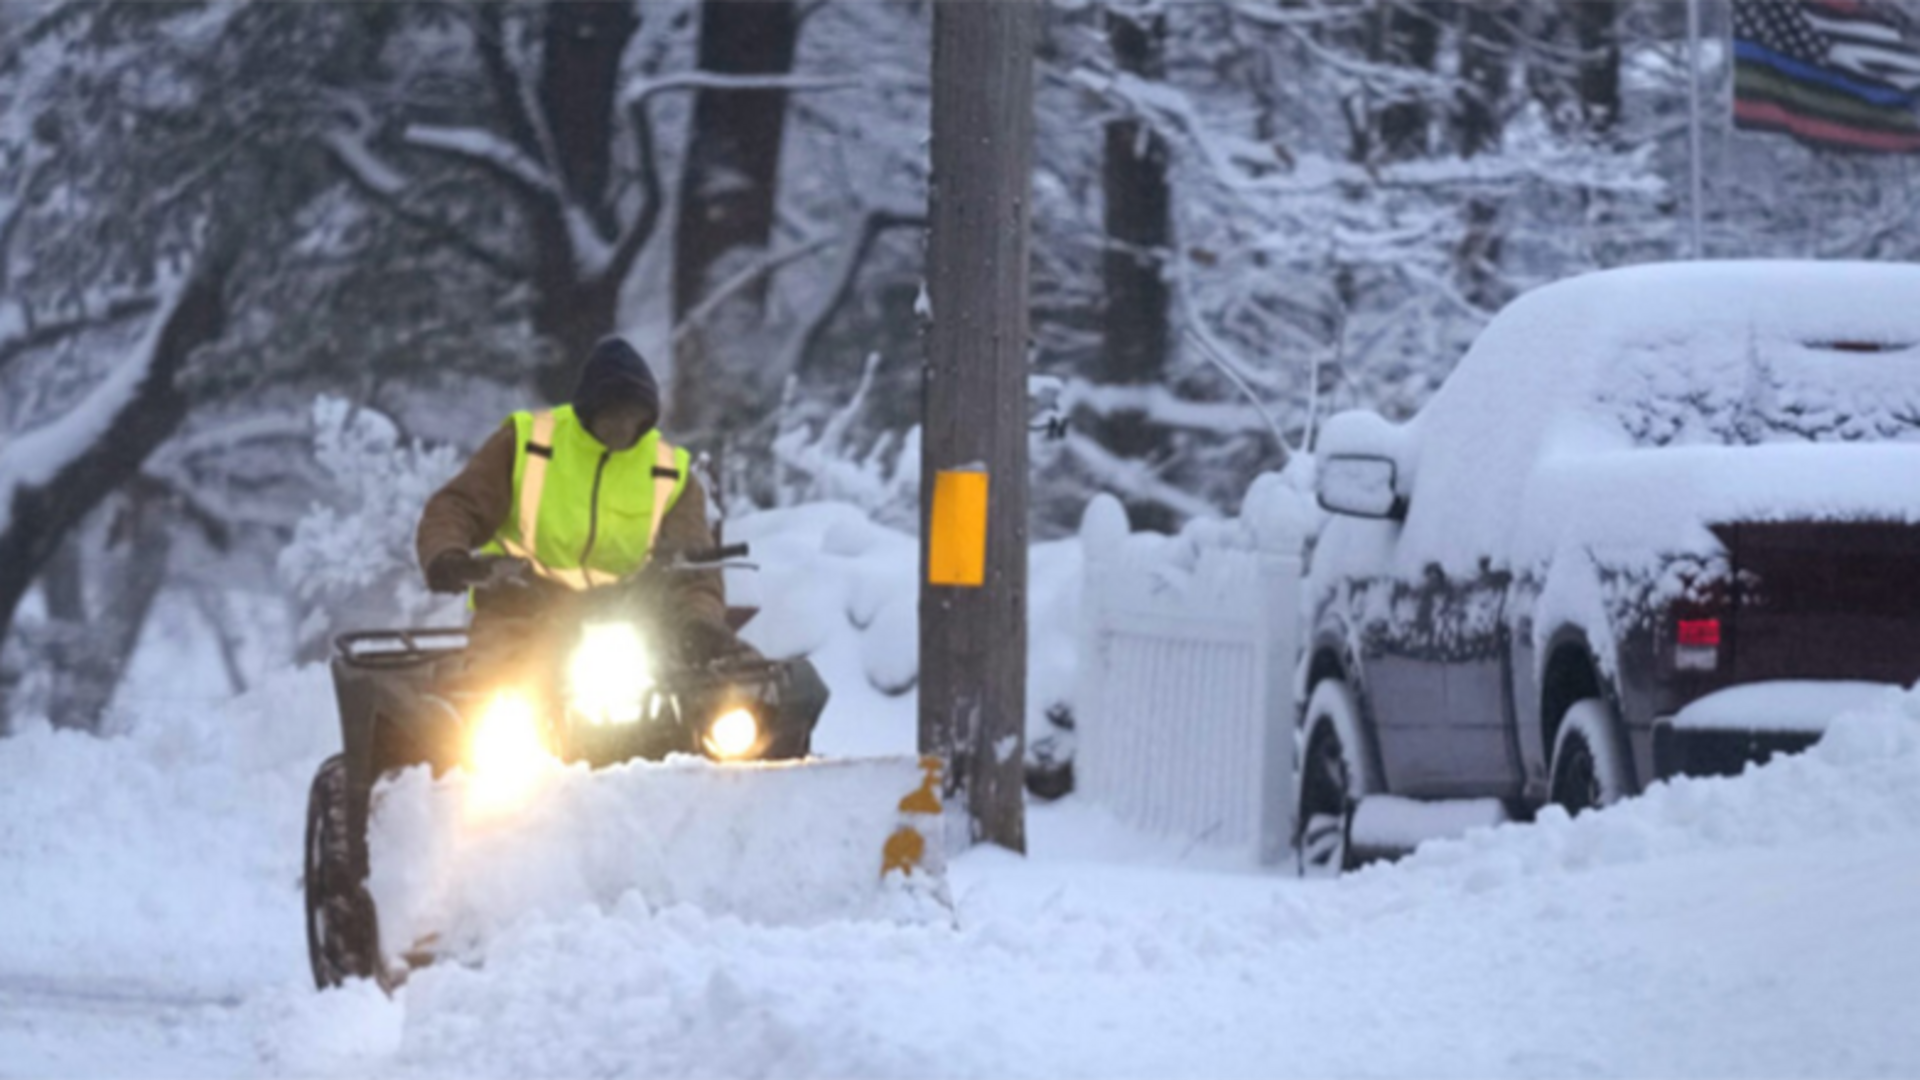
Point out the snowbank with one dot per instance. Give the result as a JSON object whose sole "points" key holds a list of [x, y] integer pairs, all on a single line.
{"points": [[1758, 925], [1862, 779], [1746, 926], [120, 858]]}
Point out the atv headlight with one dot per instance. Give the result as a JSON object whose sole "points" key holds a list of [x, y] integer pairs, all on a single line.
{"points": [[734, 734], [609, 676], [504, 754]]}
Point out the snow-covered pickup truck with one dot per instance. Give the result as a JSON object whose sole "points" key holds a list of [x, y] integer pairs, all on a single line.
{"points": [[1658, 520]]}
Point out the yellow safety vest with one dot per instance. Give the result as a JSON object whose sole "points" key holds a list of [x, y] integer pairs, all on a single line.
{"points": [[585, 515]]}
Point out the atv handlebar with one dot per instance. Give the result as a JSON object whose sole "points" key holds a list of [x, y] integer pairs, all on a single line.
{"points": [[714, 555], [513, 572]]}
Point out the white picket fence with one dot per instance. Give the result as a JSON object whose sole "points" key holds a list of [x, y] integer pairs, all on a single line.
{"points": [[1184, 708]]}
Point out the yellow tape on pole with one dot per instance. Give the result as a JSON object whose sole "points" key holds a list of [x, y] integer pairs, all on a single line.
{"points": [[957, 531]]}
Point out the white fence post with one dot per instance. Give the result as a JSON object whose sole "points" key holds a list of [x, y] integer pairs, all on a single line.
{"points": [[1281, 642], [1184, 708]]}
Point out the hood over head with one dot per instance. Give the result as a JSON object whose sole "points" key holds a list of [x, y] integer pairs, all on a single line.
{"points": [[616, 373]]}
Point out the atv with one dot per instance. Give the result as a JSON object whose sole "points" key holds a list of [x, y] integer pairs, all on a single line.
{"points": [[602, 676]]}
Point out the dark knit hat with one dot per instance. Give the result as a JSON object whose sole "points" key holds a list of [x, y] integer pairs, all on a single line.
{"points": [[615, 372]]}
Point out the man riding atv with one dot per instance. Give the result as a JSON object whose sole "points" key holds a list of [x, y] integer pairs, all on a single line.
{"points": [[583, 493], [580, 498], [600, 635]]}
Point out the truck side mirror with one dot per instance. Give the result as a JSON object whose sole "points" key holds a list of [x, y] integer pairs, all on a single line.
{"points": [[1360, 485]]}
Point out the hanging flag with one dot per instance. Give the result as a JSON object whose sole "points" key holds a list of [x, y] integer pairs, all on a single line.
{"points": [[1835, 74]]}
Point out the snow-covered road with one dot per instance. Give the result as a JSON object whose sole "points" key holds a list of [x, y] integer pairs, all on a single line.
{"points": [[1765, 926]]}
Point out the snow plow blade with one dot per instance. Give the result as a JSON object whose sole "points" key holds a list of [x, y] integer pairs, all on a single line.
{"points": [[789, 843]]}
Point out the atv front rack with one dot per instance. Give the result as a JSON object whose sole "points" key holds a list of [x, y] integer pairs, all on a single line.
{"points": [[388, 649], [385, 650]]}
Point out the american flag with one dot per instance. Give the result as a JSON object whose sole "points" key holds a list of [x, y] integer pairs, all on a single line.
{"points": [[1835, 74]]}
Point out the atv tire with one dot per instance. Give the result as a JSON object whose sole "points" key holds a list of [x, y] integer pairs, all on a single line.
{"points": [[343, 933]]}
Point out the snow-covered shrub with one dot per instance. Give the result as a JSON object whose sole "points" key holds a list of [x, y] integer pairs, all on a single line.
{"points": [[351, 559], [829, 464]]}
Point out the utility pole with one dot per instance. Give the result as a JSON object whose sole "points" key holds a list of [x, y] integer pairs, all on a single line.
{"points": [[973, 591]]}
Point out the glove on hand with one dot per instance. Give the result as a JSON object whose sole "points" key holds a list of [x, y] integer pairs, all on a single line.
{"points": [[455, 570]]}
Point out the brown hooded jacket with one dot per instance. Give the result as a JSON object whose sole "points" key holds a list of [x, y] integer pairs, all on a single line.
{"points": [[473, 505]]}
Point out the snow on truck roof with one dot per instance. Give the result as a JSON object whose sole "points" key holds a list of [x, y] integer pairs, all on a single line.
{"points": [[1802, 300], [1539, 436], [1665, 347], [1589, 325]]}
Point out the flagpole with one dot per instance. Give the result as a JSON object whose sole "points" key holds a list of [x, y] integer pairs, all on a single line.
{"points": [[1697, 247]]}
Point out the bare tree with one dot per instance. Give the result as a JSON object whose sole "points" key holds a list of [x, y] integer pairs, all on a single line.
{"points": [[1597, 35], [95, 636], [52, 477], [1406, 34], [1574, 68], [556, 123], [1486, 40], [1135, 317], [729, 178], [138, 223]]}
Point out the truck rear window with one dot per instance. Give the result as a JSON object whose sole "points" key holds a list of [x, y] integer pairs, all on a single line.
{"points": [[1718, 391]]}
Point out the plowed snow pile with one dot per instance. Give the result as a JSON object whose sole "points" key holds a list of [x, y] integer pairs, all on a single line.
{"points": [[170, 855]]}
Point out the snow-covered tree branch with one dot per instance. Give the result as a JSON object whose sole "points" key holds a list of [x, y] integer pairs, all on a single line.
{"points": [[54, 475]]}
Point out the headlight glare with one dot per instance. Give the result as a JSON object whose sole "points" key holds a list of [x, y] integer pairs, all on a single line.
{"points": [[504, 755], [733, 734], [609, 676]]}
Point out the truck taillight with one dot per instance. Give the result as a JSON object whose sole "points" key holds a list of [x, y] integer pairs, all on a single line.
{"points": [[1697, 633], [1696, 644]]}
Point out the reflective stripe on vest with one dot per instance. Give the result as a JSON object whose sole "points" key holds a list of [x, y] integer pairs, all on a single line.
{"points": [[593, 506], [534, 483], [667, 476]]}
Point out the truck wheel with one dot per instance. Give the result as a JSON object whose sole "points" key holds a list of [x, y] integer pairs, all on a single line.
{"points": [[1589, 764], [343, 934], [1332, 778]]}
